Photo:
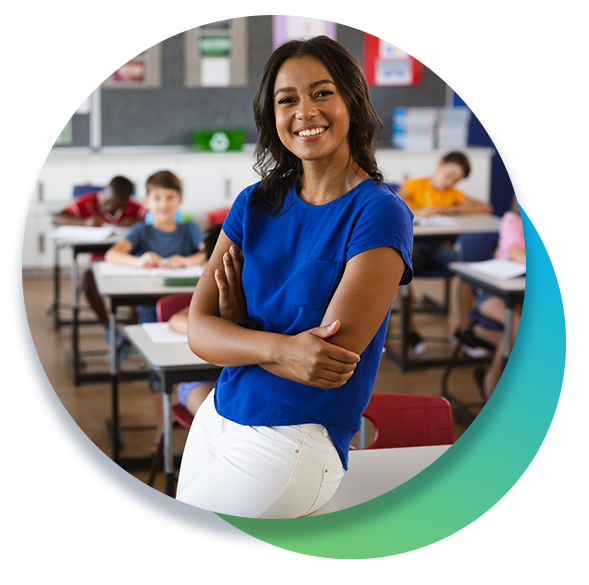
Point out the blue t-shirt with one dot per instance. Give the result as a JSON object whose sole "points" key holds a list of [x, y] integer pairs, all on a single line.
{"points": [[183, 241], [293, 263]]}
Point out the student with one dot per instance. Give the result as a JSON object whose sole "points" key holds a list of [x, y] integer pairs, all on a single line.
{"points": [[325, 244], [163, 243], [437, 195], [192, 394], [511, 246], [111, 205]]}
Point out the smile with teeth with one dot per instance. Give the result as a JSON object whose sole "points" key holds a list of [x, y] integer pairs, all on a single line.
{"points": [[311, 132]]}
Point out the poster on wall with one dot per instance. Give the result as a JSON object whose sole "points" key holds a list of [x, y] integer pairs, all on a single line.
{"points": [[128, 49], [144, 70], [388, 66], [61, 64], [286, 28]]}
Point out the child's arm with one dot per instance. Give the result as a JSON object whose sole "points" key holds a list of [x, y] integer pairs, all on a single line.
{"points": [[179, 321], [120, 253], [183, 261], [518, 254], [65, 218], [467, 205]]}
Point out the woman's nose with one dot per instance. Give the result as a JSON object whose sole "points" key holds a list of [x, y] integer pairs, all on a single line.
{"points": [[306, 109]]}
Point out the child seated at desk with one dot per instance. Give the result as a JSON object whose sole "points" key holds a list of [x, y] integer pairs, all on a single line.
{"points": [[437, 195], [164, 243], [511, 246], [111, 205]]}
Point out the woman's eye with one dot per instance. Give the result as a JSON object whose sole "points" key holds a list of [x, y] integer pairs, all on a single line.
{"points": [[285, 100], [324, 93]]}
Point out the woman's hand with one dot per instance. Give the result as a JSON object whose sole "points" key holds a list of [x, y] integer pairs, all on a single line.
{"points": [[316, 362], [232, 301]]}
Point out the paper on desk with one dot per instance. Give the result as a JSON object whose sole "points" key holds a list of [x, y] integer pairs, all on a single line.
{"points": [[81, 233], [435, 220], [502, 269], [108, 269], [161, 333]]}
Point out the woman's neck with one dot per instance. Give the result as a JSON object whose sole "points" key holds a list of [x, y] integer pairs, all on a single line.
{"points": [[321, 184]]}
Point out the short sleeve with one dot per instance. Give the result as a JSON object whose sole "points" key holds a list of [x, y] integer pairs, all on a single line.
{"points": [[137, 237], [458, 196], [233, 224], [386, 221]]}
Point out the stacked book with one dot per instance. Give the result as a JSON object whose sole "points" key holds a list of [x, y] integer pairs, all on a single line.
{"points": [[452, 130], [414, 128], [430, 128]]}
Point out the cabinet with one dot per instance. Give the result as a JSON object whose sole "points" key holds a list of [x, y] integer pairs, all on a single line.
{"points": [[210, 180]]}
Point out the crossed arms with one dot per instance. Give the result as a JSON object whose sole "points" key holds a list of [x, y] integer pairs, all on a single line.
{"points": [[325, 356]]}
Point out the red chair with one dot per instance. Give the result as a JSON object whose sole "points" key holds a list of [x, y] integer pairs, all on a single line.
{"points": [[404, 420], [171, 304]]}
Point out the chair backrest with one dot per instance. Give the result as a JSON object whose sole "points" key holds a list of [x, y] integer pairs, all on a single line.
{"points": [[476, 247], [80, 190], [405, 420], [170, 304]]}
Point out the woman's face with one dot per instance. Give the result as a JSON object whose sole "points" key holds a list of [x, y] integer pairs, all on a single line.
{"points": [[312, 117]]}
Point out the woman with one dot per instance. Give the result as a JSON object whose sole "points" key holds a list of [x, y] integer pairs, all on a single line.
{"points": [[309, 261]]}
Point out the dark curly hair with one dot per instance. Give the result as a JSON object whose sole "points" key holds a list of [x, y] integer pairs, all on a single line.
{"points": [[279, 168]]}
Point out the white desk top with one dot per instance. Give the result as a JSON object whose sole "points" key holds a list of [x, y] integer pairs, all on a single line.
{"points": [[162, 355], [517, 284], [136, 286], [374, 472], [466, 223]]}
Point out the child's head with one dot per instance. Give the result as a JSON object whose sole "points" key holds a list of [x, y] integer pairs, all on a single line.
{"points": [[163, 197], [115, 195], [453, 167], [208, 244]]}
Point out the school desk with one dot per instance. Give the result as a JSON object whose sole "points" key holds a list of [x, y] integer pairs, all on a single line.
{"points": [[446, 229], [173, 363], [374, 472], [77, 246], [511, 290], [128, 292]]}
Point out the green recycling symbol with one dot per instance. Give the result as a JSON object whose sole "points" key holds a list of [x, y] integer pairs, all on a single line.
{"points": [[219, 142]]}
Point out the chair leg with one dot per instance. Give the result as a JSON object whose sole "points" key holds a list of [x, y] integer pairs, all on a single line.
{"points": [[462, 413], [447, 297], [156, 464]]}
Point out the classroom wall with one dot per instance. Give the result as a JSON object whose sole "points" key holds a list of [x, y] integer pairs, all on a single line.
{"points": [[483, 73], [166, 115]]}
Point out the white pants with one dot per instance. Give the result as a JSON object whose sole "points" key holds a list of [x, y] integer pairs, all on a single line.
{"points": [[257, 472]]}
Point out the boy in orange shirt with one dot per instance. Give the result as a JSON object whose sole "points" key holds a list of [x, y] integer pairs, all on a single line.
{"points": [[437, 195]]}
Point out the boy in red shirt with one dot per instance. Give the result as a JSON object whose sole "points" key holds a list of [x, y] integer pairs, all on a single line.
{"points": [[110, 205]]}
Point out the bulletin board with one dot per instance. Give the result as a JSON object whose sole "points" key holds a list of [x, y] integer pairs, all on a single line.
{"points": [[130, 47], [388, 66], [216, 54]]}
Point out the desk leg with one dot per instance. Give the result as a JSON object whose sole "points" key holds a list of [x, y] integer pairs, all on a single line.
{"points": [[507, 333], [404, 327], [168, 452], [56, 285], [114, 380], [75, 322]]}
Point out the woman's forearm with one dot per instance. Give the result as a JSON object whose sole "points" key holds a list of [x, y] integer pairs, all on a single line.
{"points": [[224, 343]]}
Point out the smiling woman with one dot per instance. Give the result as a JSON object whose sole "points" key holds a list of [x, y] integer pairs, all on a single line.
{"points": [[309, 295]]}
